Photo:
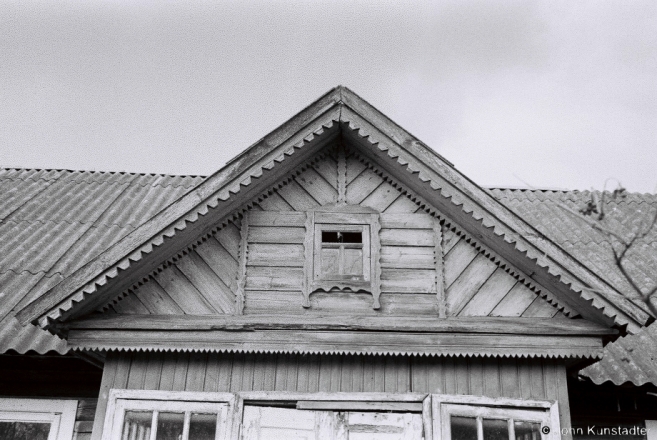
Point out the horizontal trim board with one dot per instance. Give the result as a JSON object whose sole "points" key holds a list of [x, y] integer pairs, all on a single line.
{"points": [[360, 406], [485, 325], [363, 342]]}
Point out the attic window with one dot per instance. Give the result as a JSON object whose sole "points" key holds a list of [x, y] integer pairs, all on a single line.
{"points": [[340, 253]]}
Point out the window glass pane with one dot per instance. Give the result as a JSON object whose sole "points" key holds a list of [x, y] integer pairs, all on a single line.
{"points": [[202, 427], [137, 425], [463, 428], [341, 237], [495, 429], [24, 430], [527, 430], [330, 264], [353, 261], [170, 426]]}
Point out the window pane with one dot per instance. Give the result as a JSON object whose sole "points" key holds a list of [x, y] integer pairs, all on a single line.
{"points": [[202, 427], [495, 429], [24, 430], [341, 237], [137, 425], [463, 428], [353, 262], [330, 263], [527, 430], [170, 426]]}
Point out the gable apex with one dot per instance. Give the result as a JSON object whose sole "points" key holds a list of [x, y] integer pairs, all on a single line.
{"points": [[338, 114]]}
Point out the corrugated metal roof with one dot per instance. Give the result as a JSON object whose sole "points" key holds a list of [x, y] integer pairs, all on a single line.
{"points": [[54, 221], [625, 215], [632, 358]]}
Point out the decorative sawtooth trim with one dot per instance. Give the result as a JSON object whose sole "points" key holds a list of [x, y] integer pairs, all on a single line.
{"points": [[482, 249], [516, 239], [210, 202], [103, 349]]}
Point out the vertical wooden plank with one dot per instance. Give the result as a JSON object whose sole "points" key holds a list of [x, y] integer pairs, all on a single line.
{"points": [[225, 371], [107, 383], [449, 370], [335, 367], [564, 404], [237, 372], [153, 371], [259, 370], [476, 374], [180, 371], [491, 377], [168, 369], [196, 372], [379, 374], [403, 374], [419, 379], [536, 379], [368, 374], [524, 379], [292, 372], [324, 373], [280, 383], [211, 383], [302, 373], [509, 377], [440, 274], [270, 373], [137, 371], [462, 375], [248, 368], [243, 250]]}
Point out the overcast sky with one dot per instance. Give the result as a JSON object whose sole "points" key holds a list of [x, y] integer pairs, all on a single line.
{"points": [[548, 94]]}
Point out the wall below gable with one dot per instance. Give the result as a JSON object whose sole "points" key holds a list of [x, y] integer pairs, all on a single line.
{"points": [[541, 379]]}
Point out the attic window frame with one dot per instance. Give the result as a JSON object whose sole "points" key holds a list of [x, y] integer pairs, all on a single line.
{"points": [[367, 223]]}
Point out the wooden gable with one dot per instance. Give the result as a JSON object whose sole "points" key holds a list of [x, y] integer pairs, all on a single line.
{"points": [[428, 265]]}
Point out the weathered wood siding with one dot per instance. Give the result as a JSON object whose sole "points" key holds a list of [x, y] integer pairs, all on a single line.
{"points": [[492, 377], [84, 419], [419, 259], [478, 286]]}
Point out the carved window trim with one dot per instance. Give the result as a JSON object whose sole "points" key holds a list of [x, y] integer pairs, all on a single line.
{"points": [[343, 219]]}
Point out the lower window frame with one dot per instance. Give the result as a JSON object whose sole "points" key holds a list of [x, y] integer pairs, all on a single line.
{"points": [[59, 412], [429, 405]]}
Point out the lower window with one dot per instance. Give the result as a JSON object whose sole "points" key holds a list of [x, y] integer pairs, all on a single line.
{"points": [[163, 415], [37, 419]]}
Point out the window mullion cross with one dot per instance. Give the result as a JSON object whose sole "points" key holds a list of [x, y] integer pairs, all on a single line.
{"points": [[153, 435]]}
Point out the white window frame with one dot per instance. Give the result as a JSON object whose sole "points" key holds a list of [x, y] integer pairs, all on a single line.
{"points": [[59, 413], [120, 401], [339, 401], [434, 408], [444, 405]]}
